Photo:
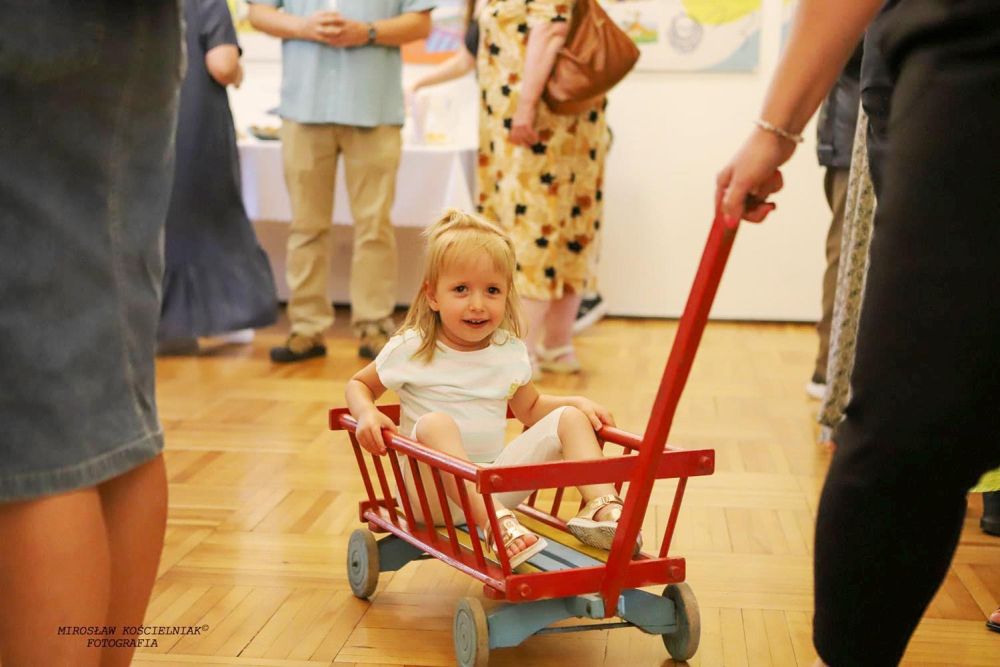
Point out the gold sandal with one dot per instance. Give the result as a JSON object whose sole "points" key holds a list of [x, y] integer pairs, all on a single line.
{"points": [[601, 534], [510, 530]]}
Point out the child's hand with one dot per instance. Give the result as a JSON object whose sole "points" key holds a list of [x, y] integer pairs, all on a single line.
{"points": [[369, 430], [596, 413]]}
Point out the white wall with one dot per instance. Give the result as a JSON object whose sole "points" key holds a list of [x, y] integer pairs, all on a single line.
{"points": [[673, 131]]}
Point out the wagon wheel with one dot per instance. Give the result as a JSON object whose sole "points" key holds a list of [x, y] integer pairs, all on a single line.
{"points": [[471, 634], [362, 563], [682, 644]]}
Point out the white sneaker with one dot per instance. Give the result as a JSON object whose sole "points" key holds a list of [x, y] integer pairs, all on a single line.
{"points": [[816, 390], [241, 337]]}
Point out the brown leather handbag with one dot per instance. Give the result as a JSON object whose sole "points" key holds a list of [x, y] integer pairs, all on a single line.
{"points": [[597, 55]]}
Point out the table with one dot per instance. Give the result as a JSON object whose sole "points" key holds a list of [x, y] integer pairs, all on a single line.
{"points": [[430, 179]]}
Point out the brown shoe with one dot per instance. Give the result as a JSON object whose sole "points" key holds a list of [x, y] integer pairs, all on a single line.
{"points": [[374, 336], [298, 348]]}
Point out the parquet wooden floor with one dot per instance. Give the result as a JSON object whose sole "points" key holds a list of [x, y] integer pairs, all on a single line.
{"points": [[263, 498]]}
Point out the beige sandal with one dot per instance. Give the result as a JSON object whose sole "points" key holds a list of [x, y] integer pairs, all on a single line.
{"points": [[510, 530], [601, 534], [559, 360]]}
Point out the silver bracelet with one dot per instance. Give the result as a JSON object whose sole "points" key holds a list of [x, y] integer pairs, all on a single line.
{"points": [[774, 129]]}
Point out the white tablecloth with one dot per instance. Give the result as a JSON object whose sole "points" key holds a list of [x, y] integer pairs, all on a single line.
{"points": [[430, 179]]}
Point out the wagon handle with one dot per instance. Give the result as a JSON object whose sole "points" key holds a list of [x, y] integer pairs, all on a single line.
{"points": [[675, 374]]}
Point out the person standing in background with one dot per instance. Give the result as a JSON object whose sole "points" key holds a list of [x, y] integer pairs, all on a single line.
{"points": [[834, 142], [217, 278], [89, 103], [926, 378], [540, 173], [341, 93]]}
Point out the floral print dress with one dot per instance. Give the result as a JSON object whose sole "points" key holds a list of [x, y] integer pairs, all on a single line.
{"points": [[548, 195]]}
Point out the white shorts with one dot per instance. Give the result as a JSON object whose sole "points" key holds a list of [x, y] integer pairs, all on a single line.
{"points": [[538, 444]]}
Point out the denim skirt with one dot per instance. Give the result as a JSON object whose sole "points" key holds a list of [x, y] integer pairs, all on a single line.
{"points": [[87, 112]]}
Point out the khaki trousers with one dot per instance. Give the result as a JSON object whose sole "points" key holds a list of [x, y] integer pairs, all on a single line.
{"points": [[835, 186], [371, 160]]}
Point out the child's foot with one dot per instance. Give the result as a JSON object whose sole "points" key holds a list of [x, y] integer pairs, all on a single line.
{"points": [[597, 522], [519, 543]]}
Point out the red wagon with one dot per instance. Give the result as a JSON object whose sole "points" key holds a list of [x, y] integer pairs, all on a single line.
{"points": [[567, 579]]}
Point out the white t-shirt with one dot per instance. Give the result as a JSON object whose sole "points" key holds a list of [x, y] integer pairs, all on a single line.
{"points": [[471, 387]]}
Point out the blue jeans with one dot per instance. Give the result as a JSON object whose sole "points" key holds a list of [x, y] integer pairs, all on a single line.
{"points": [[87, 111]]}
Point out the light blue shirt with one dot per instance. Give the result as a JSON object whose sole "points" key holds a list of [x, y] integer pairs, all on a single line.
{"points": [[360, 86]]}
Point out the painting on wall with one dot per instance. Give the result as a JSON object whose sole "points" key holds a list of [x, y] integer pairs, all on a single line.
{"points": [[692, 35], [240, 11]]}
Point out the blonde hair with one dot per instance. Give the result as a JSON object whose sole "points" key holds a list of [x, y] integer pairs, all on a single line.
{"points": [[453, 238]]}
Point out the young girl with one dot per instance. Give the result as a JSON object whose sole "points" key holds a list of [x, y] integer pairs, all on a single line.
{"points": [[457, 362]]}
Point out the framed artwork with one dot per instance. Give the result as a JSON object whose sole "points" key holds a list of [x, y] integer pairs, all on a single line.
{"points": [[691, 35]]}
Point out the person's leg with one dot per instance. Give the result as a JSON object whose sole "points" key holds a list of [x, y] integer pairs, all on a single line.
{"points": [[923, 413], [534, 312], [54, 572], [990, 521], [579, 443], [310, 159], [565, 434], [371, 160], [440, 432], [835, 185], [559, 320], [135, 515]]}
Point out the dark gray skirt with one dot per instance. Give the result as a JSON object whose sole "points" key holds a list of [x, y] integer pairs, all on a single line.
{"points": [[87, 111]]}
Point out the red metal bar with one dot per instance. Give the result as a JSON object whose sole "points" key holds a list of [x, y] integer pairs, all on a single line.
{"points": [[449, 521], [425, 508], [379, 507], [668, 533], [500, 552], [384, 485], [531, 499], [619, 437], [543, 516], [583, 580], [557, 501], [689, 331], [362, 467], [431, 457], [486, 573], [688, 463], [337, 424], [404, 495], [470, 522]]}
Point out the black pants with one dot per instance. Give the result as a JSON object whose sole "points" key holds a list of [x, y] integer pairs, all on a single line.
{"points": [[924, 420]]}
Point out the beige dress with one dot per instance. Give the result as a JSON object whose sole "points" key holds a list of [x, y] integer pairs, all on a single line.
{"points": [[547, 196]]}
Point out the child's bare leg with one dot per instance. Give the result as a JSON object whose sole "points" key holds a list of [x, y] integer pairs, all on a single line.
{"points": [[579, 442], [135, 513], [440, 432], [54, 571]]}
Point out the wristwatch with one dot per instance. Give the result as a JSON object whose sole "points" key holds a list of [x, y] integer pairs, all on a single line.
{"points": [[372, 34]]}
